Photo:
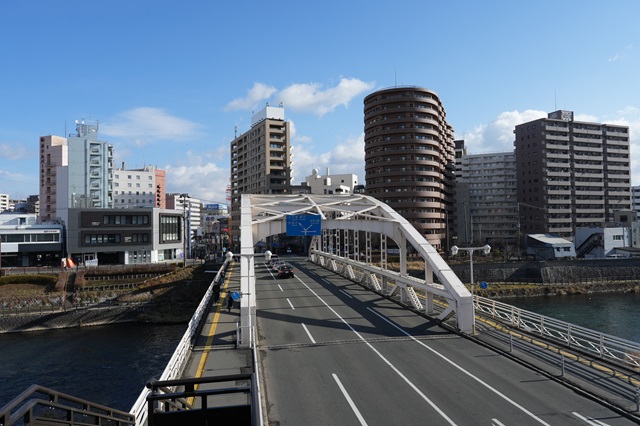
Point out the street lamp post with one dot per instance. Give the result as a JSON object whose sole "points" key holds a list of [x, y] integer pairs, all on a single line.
{"points": [[486, 249]]}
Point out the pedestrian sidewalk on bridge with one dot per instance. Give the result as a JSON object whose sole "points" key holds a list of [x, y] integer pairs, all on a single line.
{"points": [[214, 352]]}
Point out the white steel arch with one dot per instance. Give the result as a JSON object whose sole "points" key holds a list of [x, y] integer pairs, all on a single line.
{"points": [[344, 219]]}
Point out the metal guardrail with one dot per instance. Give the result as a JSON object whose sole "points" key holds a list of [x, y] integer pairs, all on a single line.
{"points": [[615, 350], [40, 405], [176, 364]]}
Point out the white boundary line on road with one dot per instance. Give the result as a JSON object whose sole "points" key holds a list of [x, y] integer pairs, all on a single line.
{"points": [[386, 361], [349, 400], [290, 304], [485, 384], [589, 420]]}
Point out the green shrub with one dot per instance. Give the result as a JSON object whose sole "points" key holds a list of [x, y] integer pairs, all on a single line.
{"points": [[43, 280]]}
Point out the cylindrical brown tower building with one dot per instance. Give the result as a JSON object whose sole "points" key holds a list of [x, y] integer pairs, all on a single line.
{"points": [[409, 158]]}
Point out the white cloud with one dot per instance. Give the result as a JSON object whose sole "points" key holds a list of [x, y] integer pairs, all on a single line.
{"points": [[346, 157], [305, 97], [313, 99], [497, 136], [258, 93], [15, 151], [144, 125], [200, 176]]}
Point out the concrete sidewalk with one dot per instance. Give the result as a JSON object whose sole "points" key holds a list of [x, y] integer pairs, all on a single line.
{"points": [[214, 352]]}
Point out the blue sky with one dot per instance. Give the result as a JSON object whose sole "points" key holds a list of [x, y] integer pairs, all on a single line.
{"points": [[169, 82]]}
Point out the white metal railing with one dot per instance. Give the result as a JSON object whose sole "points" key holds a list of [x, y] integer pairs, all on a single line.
{"points": [[176, 364], [603, 346]]}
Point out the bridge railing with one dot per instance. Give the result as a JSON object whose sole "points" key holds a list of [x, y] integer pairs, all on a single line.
{"points": [[613, 349], [176, 364]]}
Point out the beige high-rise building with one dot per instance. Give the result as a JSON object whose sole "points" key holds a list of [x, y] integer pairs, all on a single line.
{"points": [[53, 154], [409, 158], [260, 161], [570, 174]]}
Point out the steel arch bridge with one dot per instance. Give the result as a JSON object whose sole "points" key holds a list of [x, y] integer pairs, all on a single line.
{"points": [[355, 230]]}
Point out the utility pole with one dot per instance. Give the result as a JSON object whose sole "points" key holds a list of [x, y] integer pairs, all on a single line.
{"points": [[184, 229]]}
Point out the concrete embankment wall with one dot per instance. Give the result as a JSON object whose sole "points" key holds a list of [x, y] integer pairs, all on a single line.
{"points": [[551, 273], [68, 319]]}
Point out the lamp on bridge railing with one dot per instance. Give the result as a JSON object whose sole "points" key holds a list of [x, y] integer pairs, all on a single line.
{"points": [[486, 249]]}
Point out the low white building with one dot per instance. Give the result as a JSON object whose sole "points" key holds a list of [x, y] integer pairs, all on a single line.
{"points": [[24, 242], [331, 184], [594, 243]]}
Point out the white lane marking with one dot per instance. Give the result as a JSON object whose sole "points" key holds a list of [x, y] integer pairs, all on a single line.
{"points": [[280, 287], [326, 281], [589, 420], [386, 361], [485, 384], [290, 304], [309, 334], [496, 422], [349, 400], [346, 294]]}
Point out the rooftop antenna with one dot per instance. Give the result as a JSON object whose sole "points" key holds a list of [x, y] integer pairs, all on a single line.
{"points": [[235, 132]]}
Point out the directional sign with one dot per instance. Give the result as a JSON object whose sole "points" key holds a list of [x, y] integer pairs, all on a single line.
{"points": [[301, 225], [483, 285], [235, 295]]}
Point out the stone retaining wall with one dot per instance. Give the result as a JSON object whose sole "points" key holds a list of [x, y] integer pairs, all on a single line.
{"points": [[551, 273], [81, 317]]}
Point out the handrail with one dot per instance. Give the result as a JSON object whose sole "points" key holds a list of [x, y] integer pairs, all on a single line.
{"points": [[29, 403], [180, 356], [618, 351]]}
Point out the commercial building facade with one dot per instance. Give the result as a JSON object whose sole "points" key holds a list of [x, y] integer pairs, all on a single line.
{"points": [[136, 188], [410, 156]]}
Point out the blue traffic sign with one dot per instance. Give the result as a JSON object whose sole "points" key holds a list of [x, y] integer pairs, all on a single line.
{"points": [[301, 225], [235, 295], [483, 285]]}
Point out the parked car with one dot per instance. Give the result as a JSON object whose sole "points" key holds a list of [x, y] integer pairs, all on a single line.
{"points": [[285, 271]]}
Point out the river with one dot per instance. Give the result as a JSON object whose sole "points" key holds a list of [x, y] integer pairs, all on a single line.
{"points": [[614, 314], [109, 365]]}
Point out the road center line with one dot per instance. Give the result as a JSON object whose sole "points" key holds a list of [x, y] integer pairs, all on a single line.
{"points": [[485, 384], [290, 304], [346, 294], [349, 400], [386, 361], [280, 287]]}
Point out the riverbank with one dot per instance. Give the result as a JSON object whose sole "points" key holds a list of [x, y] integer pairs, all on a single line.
{"points": [[505, 291]]}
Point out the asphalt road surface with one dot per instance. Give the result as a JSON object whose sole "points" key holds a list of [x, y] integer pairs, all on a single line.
{"points": [[334, 353]]}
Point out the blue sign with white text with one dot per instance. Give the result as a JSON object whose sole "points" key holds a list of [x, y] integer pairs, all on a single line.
{"points": [[301, 225]]}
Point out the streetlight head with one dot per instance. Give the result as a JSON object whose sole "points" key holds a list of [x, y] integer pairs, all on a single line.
{"points": [[486, 249], [229, 255], [454, 250], [267, 255]]}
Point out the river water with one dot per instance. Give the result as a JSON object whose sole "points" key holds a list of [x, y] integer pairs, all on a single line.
{"points": [[110, 365], [614, 314]]}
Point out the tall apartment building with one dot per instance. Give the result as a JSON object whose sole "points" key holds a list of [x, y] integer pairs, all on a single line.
{"points": [[136, 188], [486, 200], [409, 157], [260, 161], [76, 172], [570, 174]]}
